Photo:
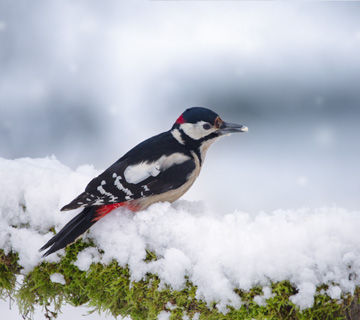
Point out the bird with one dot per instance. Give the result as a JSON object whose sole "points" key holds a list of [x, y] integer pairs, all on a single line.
{"points": [[159, 169]]}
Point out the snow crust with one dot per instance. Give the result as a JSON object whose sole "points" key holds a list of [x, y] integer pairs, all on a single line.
{"points": [[218, 252]]}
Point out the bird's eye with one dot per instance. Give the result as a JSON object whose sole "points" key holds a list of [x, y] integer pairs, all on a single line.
{"points": [[206, 126]]}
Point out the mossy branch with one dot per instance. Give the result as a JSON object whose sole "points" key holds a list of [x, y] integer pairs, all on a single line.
{"points": [[108, 288]]}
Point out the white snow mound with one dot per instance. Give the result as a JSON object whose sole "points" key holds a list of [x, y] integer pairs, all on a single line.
{"points": [[218, 252]]}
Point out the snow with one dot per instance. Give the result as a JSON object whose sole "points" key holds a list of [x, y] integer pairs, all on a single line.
{"points": [[86, 258], [163, 315], [334, 292], [216, 251], [57, 278], [267, 294]]}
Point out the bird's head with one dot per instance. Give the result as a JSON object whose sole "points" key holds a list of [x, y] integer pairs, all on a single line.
{"points": [[200, 127]]}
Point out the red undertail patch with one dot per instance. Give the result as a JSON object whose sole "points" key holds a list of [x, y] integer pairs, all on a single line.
{"points": [[102, 211]]}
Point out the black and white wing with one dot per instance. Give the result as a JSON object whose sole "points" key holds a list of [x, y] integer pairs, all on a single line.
{"points": [[130, 178]]}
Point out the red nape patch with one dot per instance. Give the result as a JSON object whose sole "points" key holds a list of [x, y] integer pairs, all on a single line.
{"points": [[102, 211], [180, 120]]}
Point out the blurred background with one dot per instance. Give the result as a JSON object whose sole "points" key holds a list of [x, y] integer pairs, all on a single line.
{"points": [[86, 81]]}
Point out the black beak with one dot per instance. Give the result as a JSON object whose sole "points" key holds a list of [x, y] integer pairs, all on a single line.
{"points": [[227, 127]]}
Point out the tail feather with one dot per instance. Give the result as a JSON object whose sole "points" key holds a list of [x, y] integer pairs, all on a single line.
{"points": [[79, 224], [72, 230]]}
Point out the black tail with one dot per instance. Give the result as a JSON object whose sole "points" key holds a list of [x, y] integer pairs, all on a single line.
{"points": [[74, 229]]}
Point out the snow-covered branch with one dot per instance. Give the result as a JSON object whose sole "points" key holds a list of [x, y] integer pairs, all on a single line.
{"points": [[179, 259]]}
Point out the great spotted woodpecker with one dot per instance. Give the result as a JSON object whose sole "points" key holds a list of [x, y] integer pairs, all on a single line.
{"points": [[161, 168]]}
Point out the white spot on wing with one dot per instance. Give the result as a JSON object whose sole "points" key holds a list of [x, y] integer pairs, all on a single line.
{"points": [[99, 202], [104, 192], [120, 186]]}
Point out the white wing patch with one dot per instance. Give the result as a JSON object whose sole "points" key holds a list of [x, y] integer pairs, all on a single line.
{"points": [[176, 158], [141, 171]]}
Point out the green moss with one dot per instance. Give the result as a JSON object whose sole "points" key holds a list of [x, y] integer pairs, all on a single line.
{"points": [[108, 288], [8, 270]]}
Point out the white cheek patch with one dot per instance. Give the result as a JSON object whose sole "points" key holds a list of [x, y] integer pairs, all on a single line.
{"points": [[196, 130], [140, 172]]}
